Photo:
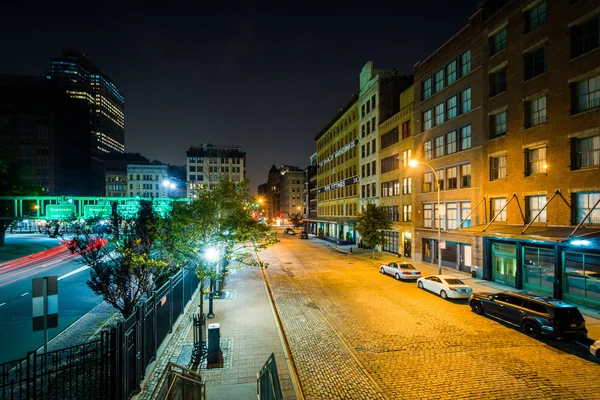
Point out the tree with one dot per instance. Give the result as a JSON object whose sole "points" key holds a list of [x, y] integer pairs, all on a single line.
{"points": [[123, 266], [296, 219], [370, 224], [14, 181]]}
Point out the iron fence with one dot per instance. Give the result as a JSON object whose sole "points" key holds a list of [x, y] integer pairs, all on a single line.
{"points": [[267, 381], [111, 367]]}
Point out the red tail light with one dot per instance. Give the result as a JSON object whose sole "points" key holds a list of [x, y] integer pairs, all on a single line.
{"points": [[451, 288]]}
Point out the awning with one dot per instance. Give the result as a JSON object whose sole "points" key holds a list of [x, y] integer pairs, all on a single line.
{"points": [[546, 233]]}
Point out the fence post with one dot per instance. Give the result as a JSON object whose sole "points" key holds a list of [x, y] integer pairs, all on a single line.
{"points": [[154, 324], [170, 300]]}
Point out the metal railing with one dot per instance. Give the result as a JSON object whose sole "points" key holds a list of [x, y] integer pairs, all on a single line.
{"points": [[267, 381], [179, 383]]}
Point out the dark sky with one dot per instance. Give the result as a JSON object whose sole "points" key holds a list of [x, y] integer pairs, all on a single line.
{"points": [[263, 75]]}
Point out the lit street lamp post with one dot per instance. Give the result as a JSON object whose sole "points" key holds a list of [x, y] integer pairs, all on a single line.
{"points": [[414, 163], [212, 255]]}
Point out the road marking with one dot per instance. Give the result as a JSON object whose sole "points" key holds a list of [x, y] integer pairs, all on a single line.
{"points": [[2, 304], [25, 294], [78, 270]]}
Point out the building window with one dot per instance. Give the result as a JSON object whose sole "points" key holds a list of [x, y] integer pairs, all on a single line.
{"points": [[363, 191], [439, 146], [427, 150], [536, 161], [374, 167], [441, 180], [587, 152], [363, 130], [407, 213], [406, 185], [374, 186], [439, 81], [427, 88], [428, 119], [390, 138], [406, 157], [498, 82], [373, 102], [363, 170], [498, 42], [535, 16], [427, 182], [585, 37], [452, 107], [368, 106], [389, 164], [451, 73], [451, 178], [535, 62], [465, 137], [497, 168], [583, 204], [465, 63], [192, 168], [428, 215], [451, 215], [363, 113], [586, 94], [451, 142], [406, 130], [496, 206], [439, 114], [465, 210], [465, 101], [498, 124], [536, 112], [373, 146], [534, 204], [465, 176], [373, 124]]}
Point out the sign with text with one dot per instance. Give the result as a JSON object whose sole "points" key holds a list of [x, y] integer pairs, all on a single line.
{"points": [[128, 210], [338, 153], [339, 184], [97, 210], [60, 211]]}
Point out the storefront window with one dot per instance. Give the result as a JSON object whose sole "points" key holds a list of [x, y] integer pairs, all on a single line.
{"points": [[391, 241], [582, 275], [504, 262], [450, 254], [538, 269]]}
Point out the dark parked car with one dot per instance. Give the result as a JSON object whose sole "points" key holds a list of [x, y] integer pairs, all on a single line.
{"points": [[289, 231], [304, 235], [536, 315]]}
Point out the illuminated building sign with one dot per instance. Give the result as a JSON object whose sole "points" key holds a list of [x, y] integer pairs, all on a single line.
{"points": [[60, 211], [339, 184], [338, 153], [97, 210], [128, 210]]}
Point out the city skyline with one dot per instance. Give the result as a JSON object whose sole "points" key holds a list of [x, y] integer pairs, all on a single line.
{"points": [[230, 79]]}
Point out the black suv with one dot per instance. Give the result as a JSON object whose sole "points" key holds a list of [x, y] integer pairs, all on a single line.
{"points": [[536, 315]]}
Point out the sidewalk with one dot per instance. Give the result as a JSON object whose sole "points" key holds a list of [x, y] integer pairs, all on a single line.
{"points": [[591, 315], [249, 334]]}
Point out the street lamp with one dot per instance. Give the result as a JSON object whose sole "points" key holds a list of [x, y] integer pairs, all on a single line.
{"points": [[169, 185], [211, 254], [412, 164]]}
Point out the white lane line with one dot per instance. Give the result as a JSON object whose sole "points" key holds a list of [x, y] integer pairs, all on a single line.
{"points": [[78, 270], [2, 304], [25, 294]]}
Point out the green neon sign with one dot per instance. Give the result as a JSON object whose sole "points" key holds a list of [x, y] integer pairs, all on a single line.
{"points": [[97, 210], [60, 211], [128, 210]]}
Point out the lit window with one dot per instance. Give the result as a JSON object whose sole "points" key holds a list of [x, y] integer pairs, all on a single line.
{"points": [[452, 107], [586, 94], [439, 114], [439, 80], [584, 202], [451, 142], [536, 111], [496, 206], [465, 137], [465, 100], [587, 152], [498, 124], [427, 88], [533, 205], [428, 119], [451, 178], [536, 161], [427, 150], [451, 73], [465, 176], [465, 63], [439, 146], [498, 168]]}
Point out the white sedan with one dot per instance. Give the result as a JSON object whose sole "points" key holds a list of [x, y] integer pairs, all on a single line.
{"points": [[404, 271], [448, 287]]}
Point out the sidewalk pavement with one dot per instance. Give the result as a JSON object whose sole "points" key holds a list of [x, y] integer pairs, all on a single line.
{"points": [[591, 315], [249, 334]]}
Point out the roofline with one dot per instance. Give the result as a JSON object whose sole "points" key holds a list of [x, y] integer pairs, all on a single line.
{"points": [[347, 106]]}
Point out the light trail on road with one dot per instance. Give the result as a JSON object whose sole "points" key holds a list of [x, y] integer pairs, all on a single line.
{"points": [[25, 267]]}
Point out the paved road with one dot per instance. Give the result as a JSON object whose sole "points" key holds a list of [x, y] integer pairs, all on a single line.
{"points": [[74, 299], [355, 333]]}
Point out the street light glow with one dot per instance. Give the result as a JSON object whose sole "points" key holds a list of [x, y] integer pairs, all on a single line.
{"points": [[211, 254], [413, 163], [166, 183]]}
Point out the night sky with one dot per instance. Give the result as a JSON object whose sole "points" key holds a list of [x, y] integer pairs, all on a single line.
{"points": [[266, 76]]}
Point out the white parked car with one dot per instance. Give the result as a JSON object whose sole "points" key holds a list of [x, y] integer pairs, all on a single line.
{"points": [[595, 348], [448, 287], [400, 271]]}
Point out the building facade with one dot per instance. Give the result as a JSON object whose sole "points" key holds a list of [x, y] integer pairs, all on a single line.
{"points": [[49, 133], [147, 181], [396, 148], [338, 176], [377, 101], [84, 81], [206, 165], [310, 190], [291, 186]]}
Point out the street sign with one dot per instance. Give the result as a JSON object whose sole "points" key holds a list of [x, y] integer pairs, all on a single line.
{"points": [[128, 210], [60, 211], [44, 296], [97, 210]]}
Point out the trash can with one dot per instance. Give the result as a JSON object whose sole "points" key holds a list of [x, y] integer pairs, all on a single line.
{"points": [[474, 274], [214, 343]]}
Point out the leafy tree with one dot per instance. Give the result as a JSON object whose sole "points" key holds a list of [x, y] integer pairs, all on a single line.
{"points": [[296, 219], [14, 181], [370, 224], [122, 261], [219, 219]]}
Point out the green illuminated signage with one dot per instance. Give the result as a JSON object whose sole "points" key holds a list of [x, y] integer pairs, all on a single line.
{"points": [[97, 210], [60, 211], [128, 210]]}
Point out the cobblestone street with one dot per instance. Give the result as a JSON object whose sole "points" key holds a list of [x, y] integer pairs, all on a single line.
{"points": [[357, 334]]}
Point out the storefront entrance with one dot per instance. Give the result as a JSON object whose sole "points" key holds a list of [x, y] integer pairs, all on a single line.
{"points": [[504, 263], [407, 247]]}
